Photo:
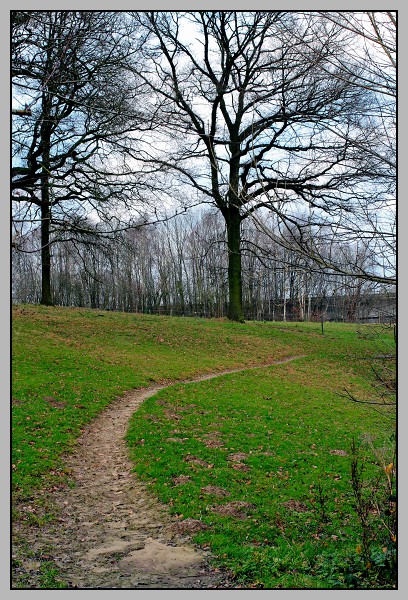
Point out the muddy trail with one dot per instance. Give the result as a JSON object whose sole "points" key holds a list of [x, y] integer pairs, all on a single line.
{"points": [[110, 532]]}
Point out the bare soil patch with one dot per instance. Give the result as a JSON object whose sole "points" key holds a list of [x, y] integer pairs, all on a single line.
{"points": [[238, 509], [213, 490], [237, 456]]}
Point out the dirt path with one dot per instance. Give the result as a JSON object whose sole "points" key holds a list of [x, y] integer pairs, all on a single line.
{"points": [[110, 532]]}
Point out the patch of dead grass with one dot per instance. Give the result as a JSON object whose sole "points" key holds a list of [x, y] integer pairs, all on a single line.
{"points": [[213, 490], [237, 509], [188, 526]]}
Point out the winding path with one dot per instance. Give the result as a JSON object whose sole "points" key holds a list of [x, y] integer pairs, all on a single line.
{"points": [[111, 533]]}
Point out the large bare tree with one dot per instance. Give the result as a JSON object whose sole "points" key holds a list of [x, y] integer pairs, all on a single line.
{"points": [[244, 105]]}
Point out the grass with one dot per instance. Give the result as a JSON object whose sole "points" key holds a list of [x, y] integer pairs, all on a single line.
{"points": [[260, 459], [281, 447]]}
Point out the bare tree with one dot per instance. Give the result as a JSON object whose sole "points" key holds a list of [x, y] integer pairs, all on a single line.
{"points": [[246, 101], [69, 172], [288, 112]]}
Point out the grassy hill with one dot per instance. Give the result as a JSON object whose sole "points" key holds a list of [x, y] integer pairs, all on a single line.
{"points": [[262, 458]]}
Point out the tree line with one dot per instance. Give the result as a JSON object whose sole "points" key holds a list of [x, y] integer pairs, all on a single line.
{"points": [[134, 117], [179, 268]]}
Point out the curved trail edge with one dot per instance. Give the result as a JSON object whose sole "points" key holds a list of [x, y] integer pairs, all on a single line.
{"points": [[111, 532]]}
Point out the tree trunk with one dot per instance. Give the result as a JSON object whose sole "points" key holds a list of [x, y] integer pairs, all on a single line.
{"points": [[233, 222], [45, 135], [46, 297]]}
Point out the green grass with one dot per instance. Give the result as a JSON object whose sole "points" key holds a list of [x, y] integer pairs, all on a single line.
{"points": [[291, 445], [292, 424]]}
